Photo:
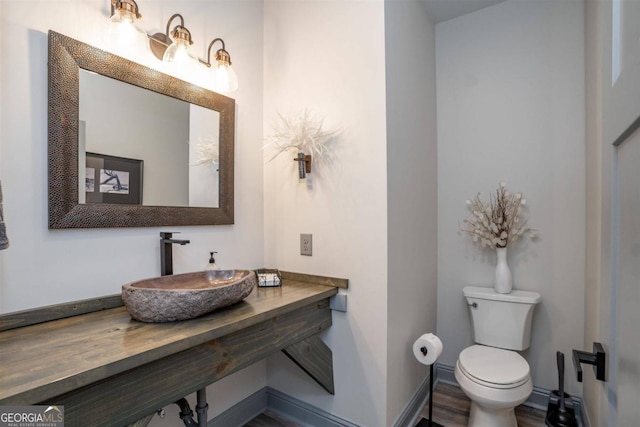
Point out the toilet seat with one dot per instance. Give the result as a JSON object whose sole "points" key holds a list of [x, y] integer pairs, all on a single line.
{"points": [[493, 367]]}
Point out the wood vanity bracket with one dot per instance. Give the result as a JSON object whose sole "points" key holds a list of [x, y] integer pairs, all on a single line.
{"points": [[315, 358], [107, 369]]}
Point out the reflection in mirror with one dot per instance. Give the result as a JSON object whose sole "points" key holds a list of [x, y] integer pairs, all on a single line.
{"points": [[168, 135], [109, 167]]}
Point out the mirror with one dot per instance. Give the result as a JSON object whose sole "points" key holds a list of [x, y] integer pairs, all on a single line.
{"points": [[167, 147], [132, 147]]}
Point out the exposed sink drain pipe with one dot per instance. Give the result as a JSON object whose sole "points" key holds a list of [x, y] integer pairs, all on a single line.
{"points": [[186, 414]]}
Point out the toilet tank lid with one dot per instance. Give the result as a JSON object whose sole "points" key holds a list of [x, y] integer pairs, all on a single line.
{"points": [[523, 297]]}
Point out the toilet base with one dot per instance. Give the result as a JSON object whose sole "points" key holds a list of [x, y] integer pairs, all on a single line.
{"points": [[480, 416], [492, 407]]}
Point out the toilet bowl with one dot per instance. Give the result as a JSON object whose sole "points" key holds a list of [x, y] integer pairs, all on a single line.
{"points": [[496, 381], [491, 372]]}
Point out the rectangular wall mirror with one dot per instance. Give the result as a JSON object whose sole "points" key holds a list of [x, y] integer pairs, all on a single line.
{"points": [[132, 147]]}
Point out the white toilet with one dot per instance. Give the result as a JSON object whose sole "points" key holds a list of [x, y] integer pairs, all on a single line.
{"points": [[491, 373]]}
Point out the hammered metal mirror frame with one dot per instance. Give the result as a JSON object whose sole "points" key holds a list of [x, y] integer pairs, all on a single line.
{"points": [[66, 57]]}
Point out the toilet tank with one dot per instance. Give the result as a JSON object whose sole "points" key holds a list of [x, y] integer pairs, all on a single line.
{"points": [[501, 320]]}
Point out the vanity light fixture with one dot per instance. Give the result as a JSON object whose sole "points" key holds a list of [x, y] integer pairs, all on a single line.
{"points": [[172, 46], [123, 30], [224, 78]]}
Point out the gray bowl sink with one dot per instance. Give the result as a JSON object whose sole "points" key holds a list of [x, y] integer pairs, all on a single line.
{"points": [[185, 296]]}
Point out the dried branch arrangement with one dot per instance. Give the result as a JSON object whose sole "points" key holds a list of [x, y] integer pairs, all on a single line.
{"points": [[498, 222]]}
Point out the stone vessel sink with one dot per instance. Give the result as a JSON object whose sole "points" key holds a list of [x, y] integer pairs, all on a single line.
{"points": [[185, 296]]}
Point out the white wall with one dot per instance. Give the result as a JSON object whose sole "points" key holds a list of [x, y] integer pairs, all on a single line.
{"points": [[510, 87], [411, 194], [44, 266], [330, 56]]}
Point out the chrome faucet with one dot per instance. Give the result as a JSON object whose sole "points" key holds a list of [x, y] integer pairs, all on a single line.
{"points": [[166, 252]]}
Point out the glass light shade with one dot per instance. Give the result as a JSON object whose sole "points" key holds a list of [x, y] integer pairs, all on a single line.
{"points": [[224, 79], [124, 35], [179, 63], [177, 53]]}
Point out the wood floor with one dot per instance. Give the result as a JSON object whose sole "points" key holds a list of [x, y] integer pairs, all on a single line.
{"points": [[270, 419], [450, 409]]}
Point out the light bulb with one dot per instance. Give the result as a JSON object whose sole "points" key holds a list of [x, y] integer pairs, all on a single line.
{"points": [[177, 53], [224, 78], [124, 36], [179, 63]]}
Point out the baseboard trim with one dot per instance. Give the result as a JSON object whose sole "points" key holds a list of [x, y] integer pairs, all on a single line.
{"points": [[445, 374], [243, 411], [539, 397], [302, 412], [268, 398], [311, 416], [411, 414]]}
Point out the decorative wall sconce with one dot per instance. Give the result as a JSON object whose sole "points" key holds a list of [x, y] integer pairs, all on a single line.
{"points": [[304, 165], [172, 46], [224, 78], [304, 134]]}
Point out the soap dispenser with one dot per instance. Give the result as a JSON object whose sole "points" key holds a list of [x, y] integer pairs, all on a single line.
{"points": [[211, 265]]}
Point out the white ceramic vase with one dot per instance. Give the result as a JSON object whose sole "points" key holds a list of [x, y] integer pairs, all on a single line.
{"points": [[503, 281]]}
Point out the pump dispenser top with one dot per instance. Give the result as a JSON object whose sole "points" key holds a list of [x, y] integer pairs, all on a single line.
{"points": [[212, 263]]}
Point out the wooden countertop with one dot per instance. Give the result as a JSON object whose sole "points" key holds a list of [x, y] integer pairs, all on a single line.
{"points": [[42, 361]]}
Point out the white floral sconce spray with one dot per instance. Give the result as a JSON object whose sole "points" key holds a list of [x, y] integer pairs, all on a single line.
{"points": [[208, 151], [497, 224], [302, 134], [204, 170]]}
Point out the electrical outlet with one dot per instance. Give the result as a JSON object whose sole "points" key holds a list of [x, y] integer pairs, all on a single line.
{"points": [[305, 244]]}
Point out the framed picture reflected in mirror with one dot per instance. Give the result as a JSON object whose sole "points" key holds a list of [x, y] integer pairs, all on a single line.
{"points": [[112, 179]]}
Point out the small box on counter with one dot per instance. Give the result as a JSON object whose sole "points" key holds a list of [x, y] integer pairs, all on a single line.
{"points": [[268, 277]]}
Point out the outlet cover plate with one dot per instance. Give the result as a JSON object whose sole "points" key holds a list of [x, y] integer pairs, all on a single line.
{"points": [[306, 244]]}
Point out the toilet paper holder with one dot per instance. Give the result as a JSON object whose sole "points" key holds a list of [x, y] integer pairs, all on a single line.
{"points": [[427, 348], [598, 359], [429, 422]]}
